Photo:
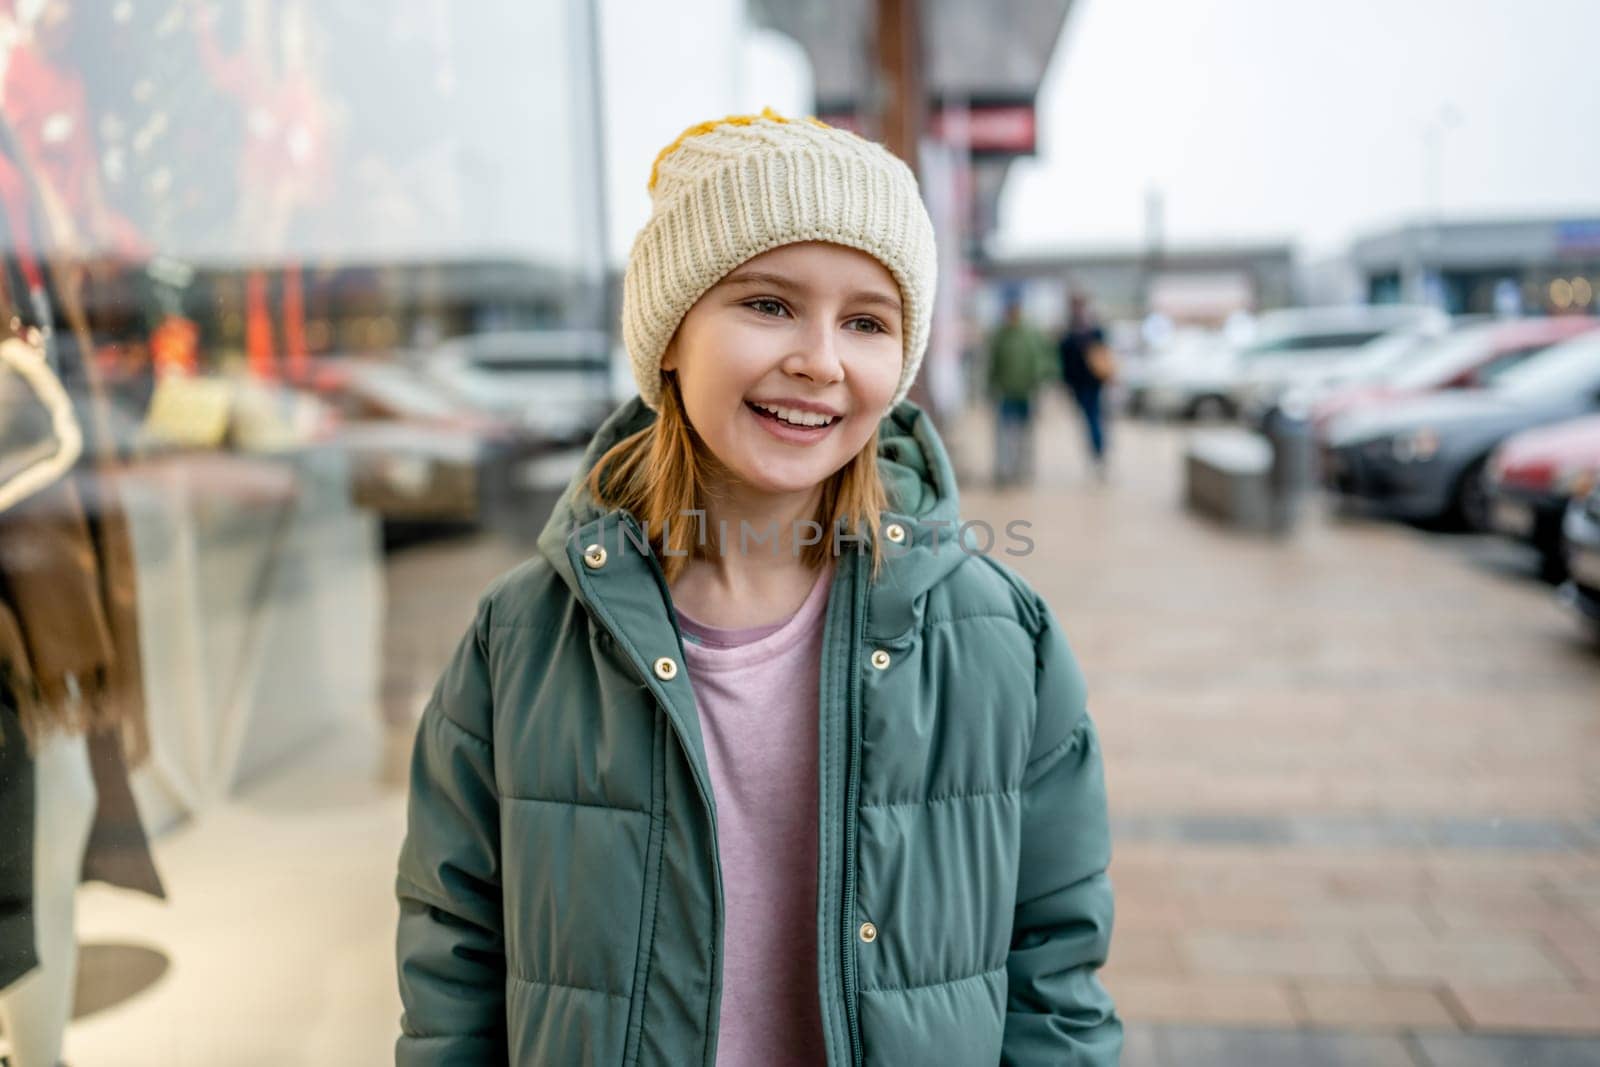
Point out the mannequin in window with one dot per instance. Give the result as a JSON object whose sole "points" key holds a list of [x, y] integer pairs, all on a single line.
{"points": [[71, 693], [40, 441]]}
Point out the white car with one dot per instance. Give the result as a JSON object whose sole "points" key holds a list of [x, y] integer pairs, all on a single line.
{"points": [[1309, 349], [556, 383], [1190, 377], [1376, 360]]}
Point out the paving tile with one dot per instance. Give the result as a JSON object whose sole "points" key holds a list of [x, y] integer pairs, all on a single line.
{"points": [[1558, 1010], [1474, 1050], [1360, 1006], [1293, 955], [1195, 1047], [1246, 909], [1589, 909], [1498, 959], [1490, 872], [1396, 914], [1496, 832], [1314, 910], [1208, 879], [1210, 1000], [1150, 917], [1577, 948], [1508, 910], [1140, 1047], [1403, 877], [1139, 953]]}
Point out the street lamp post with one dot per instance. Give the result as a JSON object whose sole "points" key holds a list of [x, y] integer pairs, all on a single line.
{"points": [[899, 70], [1429, 260]]}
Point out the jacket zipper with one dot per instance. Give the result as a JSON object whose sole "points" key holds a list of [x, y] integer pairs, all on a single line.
{"points": [[711, 815], [852, 790]]}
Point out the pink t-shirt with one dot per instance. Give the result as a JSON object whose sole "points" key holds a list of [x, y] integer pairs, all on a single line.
{"points": [[757, 691]]}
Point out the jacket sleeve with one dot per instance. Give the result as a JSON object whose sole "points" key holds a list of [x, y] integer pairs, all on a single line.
{"points": [[450, 948], [1057, 1011]]}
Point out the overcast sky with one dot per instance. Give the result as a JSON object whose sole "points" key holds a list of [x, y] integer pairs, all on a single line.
{"points": [[1305, 120], [668, 66], [1308, 119]]}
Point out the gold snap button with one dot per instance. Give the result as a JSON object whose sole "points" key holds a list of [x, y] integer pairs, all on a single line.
{"points": [[869, 933], [880, 659], [895, 532], [595, 556], [666, 669]]}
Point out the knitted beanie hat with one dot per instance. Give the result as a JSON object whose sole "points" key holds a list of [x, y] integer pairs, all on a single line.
{"points": [[732, 188]]}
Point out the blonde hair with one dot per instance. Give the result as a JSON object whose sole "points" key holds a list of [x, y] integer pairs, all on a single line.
{"points": [[664, 471]]}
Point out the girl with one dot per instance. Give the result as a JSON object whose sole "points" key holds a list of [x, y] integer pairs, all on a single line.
{"points": [[749, 765]]}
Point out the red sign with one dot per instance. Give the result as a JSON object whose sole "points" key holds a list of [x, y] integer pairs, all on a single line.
{"points": [[1006, 129], [987, 129]]}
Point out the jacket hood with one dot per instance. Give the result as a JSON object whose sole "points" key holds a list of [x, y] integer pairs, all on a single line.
{"points": [[918, 479]]}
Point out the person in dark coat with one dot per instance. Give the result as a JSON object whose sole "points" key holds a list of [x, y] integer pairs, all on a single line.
{"points": [[1083, 335]]}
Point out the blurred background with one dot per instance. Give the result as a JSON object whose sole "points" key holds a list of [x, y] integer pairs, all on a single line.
{"points": [[1275, 319]]}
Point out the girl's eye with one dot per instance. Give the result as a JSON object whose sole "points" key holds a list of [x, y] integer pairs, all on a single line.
{"points": [[766, 305]]}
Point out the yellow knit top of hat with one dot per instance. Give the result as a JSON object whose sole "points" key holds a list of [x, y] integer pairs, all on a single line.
{"points": [[727, 120]]}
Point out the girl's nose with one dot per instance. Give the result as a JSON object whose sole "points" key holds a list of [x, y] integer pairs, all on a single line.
{"points": [[816, 356]]}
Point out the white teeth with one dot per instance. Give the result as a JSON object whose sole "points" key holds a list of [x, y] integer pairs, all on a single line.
{"points": [[797, 417]]}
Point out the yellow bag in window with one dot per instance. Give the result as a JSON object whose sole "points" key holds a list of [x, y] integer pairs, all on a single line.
{"points": [[192, 412]]}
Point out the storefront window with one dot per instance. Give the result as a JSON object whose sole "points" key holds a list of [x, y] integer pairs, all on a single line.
{"points": [[283, 282]]}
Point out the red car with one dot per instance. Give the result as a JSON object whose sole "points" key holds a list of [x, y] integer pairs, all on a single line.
{"points": [[1531, 478], [1462, 359]]}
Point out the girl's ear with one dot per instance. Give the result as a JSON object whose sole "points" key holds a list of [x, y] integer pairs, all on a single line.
{"points": [[669, 356]]}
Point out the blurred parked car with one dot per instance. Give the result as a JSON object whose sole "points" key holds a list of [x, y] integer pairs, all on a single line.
{"points": [[419, 454], [1375, 360], [1534, 475], [555, 383], [1191, 377], [1581, 533], [1312, 348], [1140, 376], [1468, 357], [1423, 459]]}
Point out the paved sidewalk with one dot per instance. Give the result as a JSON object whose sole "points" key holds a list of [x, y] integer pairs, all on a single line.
{"points": [[1353, 773]]}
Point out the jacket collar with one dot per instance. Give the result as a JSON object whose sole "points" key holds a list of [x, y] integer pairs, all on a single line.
{"points": [[917, 475]]}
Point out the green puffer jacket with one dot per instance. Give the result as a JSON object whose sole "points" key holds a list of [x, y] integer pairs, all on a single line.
{"points": [[560, 889]]}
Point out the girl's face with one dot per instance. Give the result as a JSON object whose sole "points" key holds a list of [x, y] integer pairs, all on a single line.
{"points": [[787, 364]]}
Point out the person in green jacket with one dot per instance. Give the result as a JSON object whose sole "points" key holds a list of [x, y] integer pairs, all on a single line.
{"points": [[1019, 362], [764, 756]]}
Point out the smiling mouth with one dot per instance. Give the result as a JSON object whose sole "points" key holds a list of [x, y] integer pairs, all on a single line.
{"points": [[800, 420]]}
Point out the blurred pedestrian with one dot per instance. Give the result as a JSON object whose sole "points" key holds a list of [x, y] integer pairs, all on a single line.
{"points": [[1087, 365], [666, 783], [1019, 362]]}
